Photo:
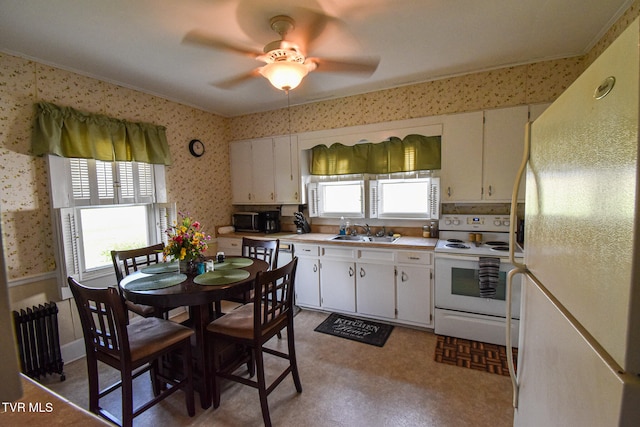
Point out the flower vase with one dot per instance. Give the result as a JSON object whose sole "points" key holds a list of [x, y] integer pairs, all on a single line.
{"points": [[187, 267]]}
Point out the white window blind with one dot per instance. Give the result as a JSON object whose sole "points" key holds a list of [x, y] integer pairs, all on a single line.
{"points": [[104, 180], [125, 180], [69, 237], [146, 186], [79, 170]]}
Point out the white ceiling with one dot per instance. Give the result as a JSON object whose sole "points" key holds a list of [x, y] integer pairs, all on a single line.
{"points": [[138, 43]]}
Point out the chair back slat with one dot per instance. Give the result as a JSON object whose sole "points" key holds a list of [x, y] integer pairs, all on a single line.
{"points": [[128, 261], [265, 250], [103, 318], [274, 292]]}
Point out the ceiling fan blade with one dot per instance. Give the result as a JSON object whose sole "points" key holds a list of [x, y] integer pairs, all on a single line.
{"points": [[363, 66], [237, 80], [202, 39], [310, 24]]}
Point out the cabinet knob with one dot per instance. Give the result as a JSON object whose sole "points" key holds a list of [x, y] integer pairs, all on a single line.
{"points": [[404, 277], [449, 191], [490, 190], [315, 268], [351, 272], [362, 273]]}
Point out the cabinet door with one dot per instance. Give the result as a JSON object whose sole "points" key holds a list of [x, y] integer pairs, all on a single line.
{"points": [[262, 171], [308, 282], [286, 169], [461, 173], [241, 171], [338, 285], [375, 290], [231, 246], [413, 287], [503, 149]]}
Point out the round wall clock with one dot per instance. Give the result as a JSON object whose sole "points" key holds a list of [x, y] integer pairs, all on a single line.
{"points": [[196, 148]]}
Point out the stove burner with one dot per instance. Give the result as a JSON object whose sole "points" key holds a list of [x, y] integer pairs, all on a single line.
{"points": [[454, 240], [500, 248], [457, 245], [497, 243]]}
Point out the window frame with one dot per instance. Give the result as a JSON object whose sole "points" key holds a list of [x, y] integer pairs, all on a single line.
{"points": [[317, 203], [375, 201], [131, 184]]}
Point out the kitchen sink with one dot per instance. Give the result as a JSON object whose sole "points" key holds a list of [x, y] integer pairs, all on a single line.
{"points": [[371, 239]]}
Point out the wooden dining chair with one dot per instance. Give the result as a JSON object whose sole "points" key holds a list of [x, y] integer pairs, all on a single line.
{"points": [[252, 326], [128, 261], [133, 349], [265, 250]]}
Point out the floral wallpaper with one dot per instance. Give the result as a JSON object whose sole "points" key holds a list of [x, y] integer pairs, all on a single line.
{"points": [[200, 186]]}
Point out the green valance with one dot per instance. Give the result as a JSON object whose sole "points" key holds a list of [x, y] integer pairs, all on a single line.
{"points": [[413, 153], [66, 132]]}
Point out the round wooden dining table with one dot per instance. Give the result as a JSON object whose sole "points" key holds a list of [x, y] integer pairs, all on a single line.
{"points": [[156, 288]]}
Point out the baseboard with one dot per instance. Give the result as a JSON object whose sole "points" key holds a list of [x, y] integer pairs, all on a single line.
{"points": [[73, 351]]}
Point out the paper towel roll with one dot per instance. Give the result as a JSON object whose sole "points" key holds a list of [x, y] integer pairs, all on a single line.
{"points": [[288, 210]]}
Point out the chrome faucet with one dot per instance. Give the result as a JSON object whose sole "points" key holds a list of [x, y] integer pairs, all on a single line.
{"points": [[366, 228]]}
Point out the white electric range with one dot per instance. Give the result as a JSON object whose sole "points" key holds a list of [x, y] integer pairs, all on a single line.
{"points": [[465, 243]]}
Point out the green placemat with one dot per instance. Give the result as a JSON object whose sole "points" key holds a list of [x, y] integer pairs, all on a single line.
{"points": [[233, 263], [162, 267], [157, 281], [221, 277]]}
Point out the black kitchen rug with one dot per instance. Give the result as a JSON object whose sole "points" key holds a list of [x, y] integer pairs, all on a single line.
{"points": [[361, 330], [473, 354]]}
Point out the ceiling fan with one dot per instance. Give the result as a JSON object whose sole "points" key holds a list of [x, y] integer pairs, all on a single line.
{"points": [[286, 63]]}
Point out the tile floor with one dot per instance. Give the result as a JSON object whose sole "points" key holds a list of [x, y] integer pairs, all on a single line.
{"points": [[345, 383]]}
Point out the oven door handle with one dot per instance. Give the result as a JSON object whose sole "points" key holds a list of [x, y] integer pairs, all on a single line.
{"points": [[468, 258]]}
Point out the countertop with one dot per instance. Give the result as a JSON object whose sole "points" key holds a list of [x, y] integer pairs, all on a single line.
{"points": [[404, 242]]}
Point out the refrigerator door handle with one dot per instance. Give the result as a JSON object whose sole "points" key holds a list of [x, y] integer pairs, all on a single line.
{"points": [[510, 364], [513, 215]]}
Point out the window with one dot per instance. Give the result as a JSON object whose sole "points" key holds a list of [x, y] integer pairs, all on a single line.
{"points": [[101, 206], [404, 198], [99, 237], [337, 198]]}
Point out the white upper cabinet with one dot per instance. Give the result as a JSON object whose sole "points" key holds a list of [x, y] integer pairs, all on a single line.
{"points": [[265, 171], [503, 148], [286, 169], [241, 171], [481, 154], [461, 173]]}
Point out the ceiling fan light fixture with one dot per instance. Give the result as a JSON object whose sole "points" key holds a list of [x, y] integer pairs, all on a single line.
{"points": [[284, 75]]}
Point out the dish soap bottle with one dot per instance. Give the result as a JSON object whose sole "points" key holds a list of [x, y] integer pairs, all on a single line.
{"points": [[343, 226]]}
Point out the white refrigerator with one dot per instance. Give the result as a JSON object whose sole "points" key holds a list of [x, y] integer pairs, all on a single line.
{"points": [[579, 342]]}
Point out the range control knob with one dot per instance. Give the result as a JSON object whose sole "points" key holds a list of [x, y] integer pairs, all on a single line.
{"points": [[456, 221], [497, 222], [447, 221], [506, 222]]}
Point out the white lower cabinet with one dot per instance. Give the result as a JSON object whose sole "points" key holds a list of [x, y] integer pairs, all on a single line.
{"points": [[307, 285], [308, 282], [414, 298], [231, 246], [385, 284], [375, 290], [338, 278], [414, 287]]}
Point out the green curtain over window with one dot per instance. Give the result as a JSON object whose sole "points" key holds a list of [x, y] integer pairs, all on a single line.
{"points": [[66, 132], [413, 153]]}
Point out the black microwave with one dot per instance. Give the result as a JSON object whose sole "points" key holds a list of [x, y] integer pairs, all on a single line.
{"points": [[247, 221]]}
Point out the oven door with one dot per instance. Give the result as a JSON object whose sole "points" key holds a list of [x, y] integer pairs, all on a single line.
{"points": [[457, 287]]}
